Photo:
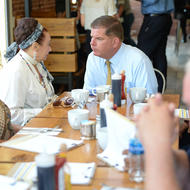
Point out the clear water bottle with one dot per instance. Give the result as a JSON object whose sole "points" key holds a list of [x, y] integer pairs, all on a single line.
{"points": [[97, 123], [136, 161]]}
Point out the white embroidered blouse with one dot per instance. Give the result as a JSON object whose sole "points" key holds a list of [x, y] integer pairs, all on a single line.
{"points": [[21, 88]]}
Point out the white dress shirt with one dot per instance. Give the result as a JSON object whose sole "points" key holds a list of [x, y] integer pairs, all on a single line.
{"points": [[93, 9], [137, 66], [21, 90]]}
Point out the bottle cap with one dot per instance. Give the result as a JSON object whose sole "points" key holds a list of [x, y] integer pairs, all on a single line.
{"points": [[123, 72], [45, 160], [135, 146], [116, 76], [106, 103]]}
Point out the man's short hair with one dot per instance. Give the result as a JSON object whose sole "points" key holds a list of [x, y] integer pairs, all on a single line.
{"points": [[112, 25]]}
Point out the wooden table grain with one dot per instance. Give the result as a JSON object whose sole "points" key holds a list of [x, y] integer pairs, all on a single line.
{"points": [[52, 116]]}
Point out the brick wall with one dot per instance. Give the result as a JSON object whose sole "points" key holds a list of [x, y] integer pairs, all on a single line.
{"points": [[44, 5]]}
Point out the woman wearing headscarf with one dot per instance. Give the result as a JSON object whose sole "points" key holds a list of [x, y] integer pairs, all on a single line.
{"points": [[25, 83]]}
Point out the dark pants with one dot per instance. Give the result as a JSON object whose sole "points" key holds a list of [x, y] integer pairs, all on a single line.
{"points": [[127, 23], [152, 40]]}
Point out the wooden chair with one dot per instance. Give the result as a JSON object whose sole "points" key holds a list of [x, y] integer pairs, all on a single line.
{"points": [[163, 78], [62, 61], [43, 14]]}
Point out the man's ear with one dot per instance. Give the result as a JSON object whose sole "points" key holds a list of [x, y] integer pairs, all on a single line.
{"points": [[116, 42]]}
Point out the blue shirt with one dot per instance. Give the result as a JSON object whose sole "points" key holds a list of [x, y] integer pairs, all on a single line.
{"points": [[137, 66], [157, 6]]}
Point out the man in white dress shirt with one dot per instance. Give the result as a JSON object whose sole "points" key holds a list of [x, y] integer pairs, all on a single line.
{"points": [[106, 43]]}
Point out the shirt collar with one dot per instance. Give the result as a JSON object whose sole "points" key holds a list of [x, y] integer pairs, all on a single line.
{"points": [[28, 58], [114, 60]]}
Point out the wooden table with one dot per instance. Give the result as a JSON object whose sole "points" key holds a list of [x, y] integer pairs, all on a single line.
{"points": [[52, 116], [59, 112]]}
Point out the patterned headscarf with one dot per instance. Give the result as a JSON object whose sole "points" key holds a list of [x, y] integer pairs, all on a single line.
{"points": [[12, 49]]}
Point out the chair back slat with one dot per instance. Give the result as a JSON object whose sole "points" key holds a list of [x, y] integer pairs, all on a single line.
{"points": [[59, 26], [63, 45], [61, 62], [63, 57]]}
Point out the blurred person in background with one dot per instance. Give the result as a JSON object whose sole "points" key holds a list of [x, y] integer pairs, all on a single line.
{"points": [[153, 35], [92, 9], [127, 18], [60, 8]]}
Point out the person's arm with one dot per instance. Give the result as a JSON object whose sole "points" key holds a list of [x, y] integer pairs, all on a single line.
{"points": [[182, 168], [82, 14], [120, 10], [82, 19], [17, 92], [160, 170], [16, 128], [89, 78], [156, 124], [144, 75]]}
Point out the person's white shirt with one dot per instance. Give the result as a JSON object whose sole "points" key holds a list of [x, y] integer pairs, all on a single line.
{"points": [[93, 9], [21, 88], [137, 66]]}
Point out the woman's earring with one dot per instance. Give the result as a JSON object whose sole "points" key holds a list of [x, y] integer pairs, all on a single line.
{"points": [[34, 56]]}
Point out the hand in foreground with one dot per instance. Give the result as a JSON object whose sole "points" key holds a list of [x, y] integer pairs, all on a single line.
{"points": [[156, 123]]}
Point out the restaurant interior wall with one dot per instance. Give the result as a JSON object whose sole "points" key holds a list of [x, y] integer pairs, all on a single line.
{"points": [[49, 5]]}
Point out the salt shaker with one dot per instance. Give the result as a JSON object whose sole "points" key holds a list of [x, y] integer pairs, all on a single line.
{"points": [[45, 171], [116, 88], [136, 161]]}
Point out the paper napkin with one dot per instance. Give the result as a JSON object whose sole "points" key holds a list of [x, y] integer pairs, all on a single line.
{"points": [[81, 173], [120, 130], [41, 143], [10, 183], [182, 113]]}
